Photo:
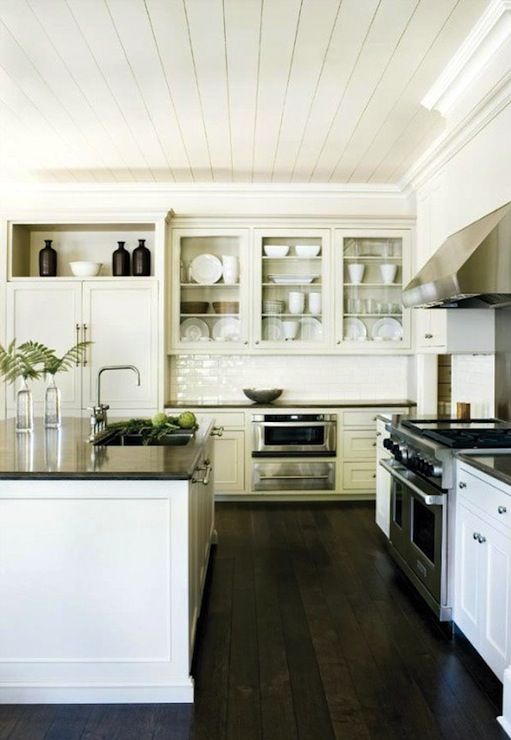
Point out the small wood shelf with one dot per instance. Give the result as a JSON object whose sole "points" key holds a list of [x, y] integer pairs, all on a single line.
{"points": [[208, 315], [371, 258], [291, 285], [209, 285], [373, 285], [293, 257]]}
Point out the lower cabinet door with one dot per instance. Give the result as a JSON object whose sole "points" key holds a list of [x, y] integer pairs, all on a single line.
{"points": [[495, 599], [467, 587], [229, 456], [359, 477], [383, 484]]}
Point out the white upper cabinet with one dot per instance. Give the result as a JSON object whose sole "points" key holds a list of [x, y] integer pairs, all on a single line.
{"points": [[292, 300], [294, 291], [371, 267], [210, 289]]}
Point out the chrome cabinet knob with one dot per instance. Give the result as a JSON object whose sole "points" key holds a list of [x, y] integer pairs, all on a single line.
{"points": [[217, 432], [476, 535], [502, 509], [481, 539], [462, 484]]}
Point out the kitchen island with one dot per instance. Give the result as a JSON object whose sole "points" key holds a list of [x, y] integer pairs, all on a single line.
{"points": [[103, 557]]}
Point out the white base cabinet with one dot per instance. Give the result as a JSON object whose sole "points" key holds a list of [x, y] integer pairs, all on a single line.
{"points": [[482, 602], [120, 318], [383, 480]]}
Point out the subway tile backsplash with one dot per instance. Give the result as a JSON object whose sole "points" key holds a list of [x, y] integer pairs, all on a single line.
{"points": [[218, 378]]}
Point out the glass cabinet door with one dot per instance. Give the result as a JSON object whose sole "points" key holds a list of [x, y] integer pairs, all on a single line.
{"points": [[210, 297], [291, 307], [372, 272]]}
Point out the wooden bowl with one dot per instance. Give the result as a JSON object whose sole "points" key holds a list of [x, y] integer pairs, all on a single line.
{"points": [[194, 307], [226, 306]]}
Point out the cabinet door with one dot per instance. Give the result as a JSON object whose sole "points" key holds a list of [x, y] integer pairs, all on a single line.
{"points": [[383, 484], [229, 456], [431, 328], [495, 599], [467, 589], [121, 320], [47, 312]]}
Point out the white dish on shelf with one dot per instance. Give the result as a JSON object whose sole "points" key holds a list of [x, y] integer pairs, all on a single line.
{"points": [[354, 330], [307, 250], [311, 329], [273, 329], [276, 250], [227, 329], [85, 269], [387, 329], [292, 279], [193, 330], [206, 269]]}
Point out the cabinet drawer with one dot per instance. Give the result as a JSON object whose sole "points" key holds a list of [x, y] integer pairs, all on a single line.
{"points": [[229, 419], [293, 476], [481, 492], [359, 476], [359, 418], [359, 445]]}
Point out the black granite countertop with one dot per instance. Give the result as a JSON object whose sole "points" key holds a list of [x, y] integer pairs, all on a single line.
{"points": [[296, 404], [498, 465], [65, 453]]}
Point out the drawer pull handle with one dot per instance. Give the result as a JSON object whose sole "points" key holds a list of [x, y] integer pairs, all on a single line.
{"points": [[502, 509], [374, 444], [378, 434], [428, 336], [292, 477], [217, 432], [374, 475], [462, 484]]}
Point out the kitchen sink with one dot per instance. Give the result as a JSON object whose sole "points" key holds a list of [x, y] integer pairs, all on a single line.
{"points": [[116, 438]]}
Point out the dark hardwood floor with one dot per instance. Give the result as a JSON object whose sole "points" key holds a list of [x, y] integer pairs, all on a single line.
{"points": [[308, 632]]}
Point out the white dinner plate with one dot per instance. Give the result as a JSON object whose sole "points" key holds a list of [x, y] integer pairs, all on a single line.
{"points": [[354, 330], [193, 330], [227, 329], [387, 329], [292, 279], [273, 330], [311, 330], [206, 269]]}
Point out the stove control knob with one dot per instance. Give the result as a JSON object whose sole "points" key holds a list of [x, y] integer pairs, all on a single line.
{"points": [[403, 452], [388, 443], [437, 471]]}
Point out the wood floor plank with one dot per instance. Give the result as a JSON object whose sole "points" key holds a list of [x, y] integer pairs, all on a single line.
{"points": [[34, 722], [69, 722], [9, 717]]}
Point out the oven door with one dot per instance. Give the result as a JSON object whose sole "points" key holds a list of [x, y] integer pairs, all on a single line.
{"points": [[282, 438], [418, 529]]}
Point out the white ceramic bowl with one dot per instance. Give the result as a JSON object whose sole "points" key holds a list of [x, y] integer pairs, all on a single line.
{"points": [[307, 250], [85, 269], [276, 250]]}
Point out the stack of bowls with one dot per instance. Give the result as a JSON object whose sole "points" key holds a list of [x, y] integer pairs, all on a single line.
{"points": [[272, 306]]}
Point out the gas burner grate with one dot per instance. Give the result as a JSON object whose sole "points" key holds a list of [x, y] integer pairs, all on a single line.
{"points": [[471, 439]]}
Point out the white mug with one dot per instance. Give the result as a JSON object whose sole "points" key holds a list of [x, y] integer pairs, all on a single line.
{"points": [[315, 303], [290, 328], [296, 302], [231, 269], [388, 273], [356, 273]]}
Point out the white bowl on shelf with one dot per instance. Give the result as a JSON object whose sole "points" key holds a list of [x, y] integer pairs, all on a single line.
{"points": [[276, 250], [85, 269], [307, 250]]}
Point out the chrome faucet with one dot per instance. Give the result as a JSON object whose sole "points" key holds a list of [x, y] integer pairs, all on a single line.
{"points": [[98, 417]]}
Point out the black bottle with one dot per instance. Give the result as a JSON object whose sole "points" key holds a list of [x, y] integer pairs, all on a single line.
{"points": [[141, 260], [121, 261], [47, 260]]}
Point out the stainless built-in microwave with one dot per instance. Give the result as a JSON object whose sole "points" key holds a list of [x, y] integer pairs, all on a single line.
{"points": [[284, 435]]}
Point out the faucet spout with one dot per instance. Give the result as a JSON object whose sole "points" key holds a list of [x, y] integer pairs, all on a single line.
{"points": [[116, 367]]}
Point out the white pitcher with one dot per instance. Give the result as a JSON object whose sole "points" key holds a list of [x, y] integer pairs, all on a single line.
{"points": [[231, 269]]}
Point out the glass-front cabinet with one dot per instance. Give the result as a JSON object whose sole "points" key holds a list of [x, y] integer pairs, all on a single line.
{"points": [[210, 293], [370, 272], [291, 297]]}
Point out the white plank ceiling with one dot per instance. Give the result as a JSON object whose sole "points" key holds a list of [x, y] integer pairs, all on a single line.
{"points": [[221, 90]]}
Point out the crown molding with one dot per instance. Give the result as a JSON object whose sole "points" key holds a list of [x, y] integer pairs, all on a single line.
{"points": [[486, 37], [241, 190], [450, 142]]}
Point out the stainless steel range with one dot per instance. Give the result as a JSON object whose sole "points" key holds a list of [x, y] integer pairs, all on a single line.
{"points": [[422, 496]]}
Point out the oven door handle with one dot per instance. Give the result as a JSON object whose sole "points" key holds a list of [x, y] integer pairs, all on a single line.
{"points": [[292, 477], [426, 498], [294, 424]]}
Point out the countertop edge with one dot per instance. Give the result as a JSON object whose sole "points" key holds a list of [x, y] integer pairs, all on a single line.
{"points": [[486, 469], [370, 403]]}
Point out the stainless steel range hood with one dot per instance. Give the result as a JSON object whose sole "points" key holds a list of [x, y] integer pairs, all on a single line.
{"points": [[472, 268]]}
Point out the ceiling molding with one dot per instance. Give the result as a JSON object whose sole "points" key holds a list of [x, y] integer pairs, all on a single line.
{"points": [[450, 142], [488, 34], [240, 190]]}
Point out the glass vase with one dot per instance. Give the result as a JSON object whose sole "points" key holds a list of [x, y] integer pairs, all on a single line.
{"points": [[52, 416], [24, 408]]}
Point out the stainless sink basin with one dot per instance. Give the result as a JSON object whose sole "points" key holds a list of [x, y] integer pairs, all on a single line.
{"points": [[116, 438]]}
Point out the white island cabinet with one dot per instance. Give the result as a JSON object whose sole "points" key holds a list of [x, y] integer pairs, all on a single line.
{"points": [[103, 558]]}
